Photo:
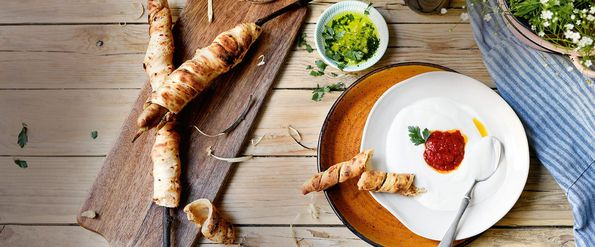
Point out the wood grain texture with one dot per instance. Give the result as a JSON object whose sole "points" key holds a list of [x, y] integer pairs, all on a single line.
{"points": [[38, 236], [121, 194], [42, 194], [104, 56], [131, 11], [74, 236]]}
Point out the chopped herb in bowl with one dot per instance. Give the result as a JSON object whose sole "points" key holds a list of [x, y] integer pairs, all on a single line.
{"points": [[350, 38]]}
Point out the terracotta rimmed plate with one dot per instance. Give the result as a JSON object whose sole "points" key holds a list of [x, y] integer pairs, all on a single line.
{"points": [[340, 140]]}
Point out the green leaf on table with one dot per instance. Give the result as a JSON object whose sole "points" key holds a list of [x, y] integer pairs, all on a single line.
{"points": [[309, 48], [316, 73], [319, 92], [417, 136], [309, 67], [301, 41], [21, 163], [320, 64], [94, 134], [23, 139]]}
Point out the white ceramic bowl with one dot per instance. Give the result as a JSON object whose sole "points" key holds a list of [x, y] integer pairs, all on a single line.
{"points": [[355, 6]]}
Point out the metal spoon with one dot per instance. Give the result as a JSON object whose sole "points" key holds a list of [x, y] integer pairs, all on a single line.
{"points": [[485, 144]]}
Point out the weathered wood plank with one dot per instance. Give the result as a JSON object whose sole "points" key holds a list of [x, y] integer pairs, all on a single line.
{"points": [[37, 236], [109, 56], [52, 189], [279, 236], [60, 122], [131, 11], [55, 70], [116, 39]]}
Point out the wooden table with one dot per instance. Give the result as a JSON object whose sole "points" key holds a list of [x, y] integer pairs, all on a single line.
{"points": [[71, 67]]}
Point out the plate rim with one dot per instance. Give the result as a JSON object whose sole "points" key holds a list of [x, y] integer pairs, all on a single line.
{"points": [[395, 86], [324, 129]]}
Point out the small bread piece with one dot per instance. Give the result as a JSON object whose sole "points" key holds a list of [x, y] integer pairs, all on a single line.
{"points": [[166, 166], [379, 181], [211, 224], [338, 173]]}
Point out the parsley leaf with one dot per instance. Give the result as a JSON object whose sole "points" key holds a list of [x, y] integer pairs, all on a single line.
{"points": [[367, 11], [316, 73], [341, 65], [320, 64], [94, 134], [23, 139], [319, 92], [302, 42], [418, 137], [21, 163], [309, 67], [309, 48]]}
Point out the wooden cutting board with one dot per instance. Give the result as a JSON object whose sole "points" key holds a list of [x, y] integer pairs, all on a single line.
{"points": [[121, 195]]}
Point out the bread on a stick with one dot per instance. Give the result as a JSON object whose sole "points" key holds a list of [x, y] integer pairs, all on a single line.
{"points": [[338, 173]]}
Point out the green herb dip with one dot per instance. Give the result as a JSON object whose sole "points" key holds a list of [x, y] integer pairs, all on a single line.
{"points": [[350, 38]]}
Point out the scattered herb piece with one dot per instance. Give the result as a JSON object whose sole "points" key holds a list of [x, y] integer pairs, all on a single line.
{"points": [[320, 64], [333, 74], [21, 163], [319, 92], [367, 11], [309, 67], [302, 42], [23, 139], [94, 134], [417, 136], [341, 65], [309, 48], [316, 73], [297, 137], [230, 160], [261, 61]]}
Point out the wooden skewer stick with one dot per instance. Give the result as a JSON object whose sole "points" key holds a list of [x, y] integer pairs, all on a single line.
{"points": [[210, 10]]}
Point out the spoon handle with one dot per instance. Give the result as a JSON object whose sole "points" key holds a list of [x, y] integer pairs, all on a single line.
{"points": [[449, 236]]}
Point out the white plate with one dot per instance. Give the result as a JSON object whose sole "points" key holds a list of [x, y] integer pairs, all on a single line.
{"points": [[453, 100], [355, 6]]}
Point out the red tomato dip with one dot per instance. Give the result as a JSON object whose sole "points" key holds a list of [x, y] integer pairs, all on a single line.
{"points": [[445, 150]]}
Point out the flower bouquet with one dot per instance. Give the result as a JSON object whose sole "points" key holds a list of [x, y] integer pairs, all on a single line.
{"points": [[560, 26]]}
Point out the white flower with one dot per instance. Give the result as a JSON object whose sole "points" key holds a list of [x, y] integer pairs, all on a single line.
{"points": [[487, 17], [592, 10], [546, 24], [590, 17], [541, 33], [578, 22], [544, 2], [572, 16], [546, 14], [533, 27], [574, 36], [443, 11], [464, 16], [588, 63], [584, 41], [569, 26]]}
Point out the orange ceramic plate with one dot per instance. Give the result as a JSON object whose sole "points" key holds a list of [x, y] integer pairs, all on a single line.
{"points": [[340, 140]]}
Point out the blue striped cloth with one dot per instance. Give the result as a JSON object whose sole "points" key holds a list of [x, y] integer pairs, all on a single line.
{"points": [[556, 104]]}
